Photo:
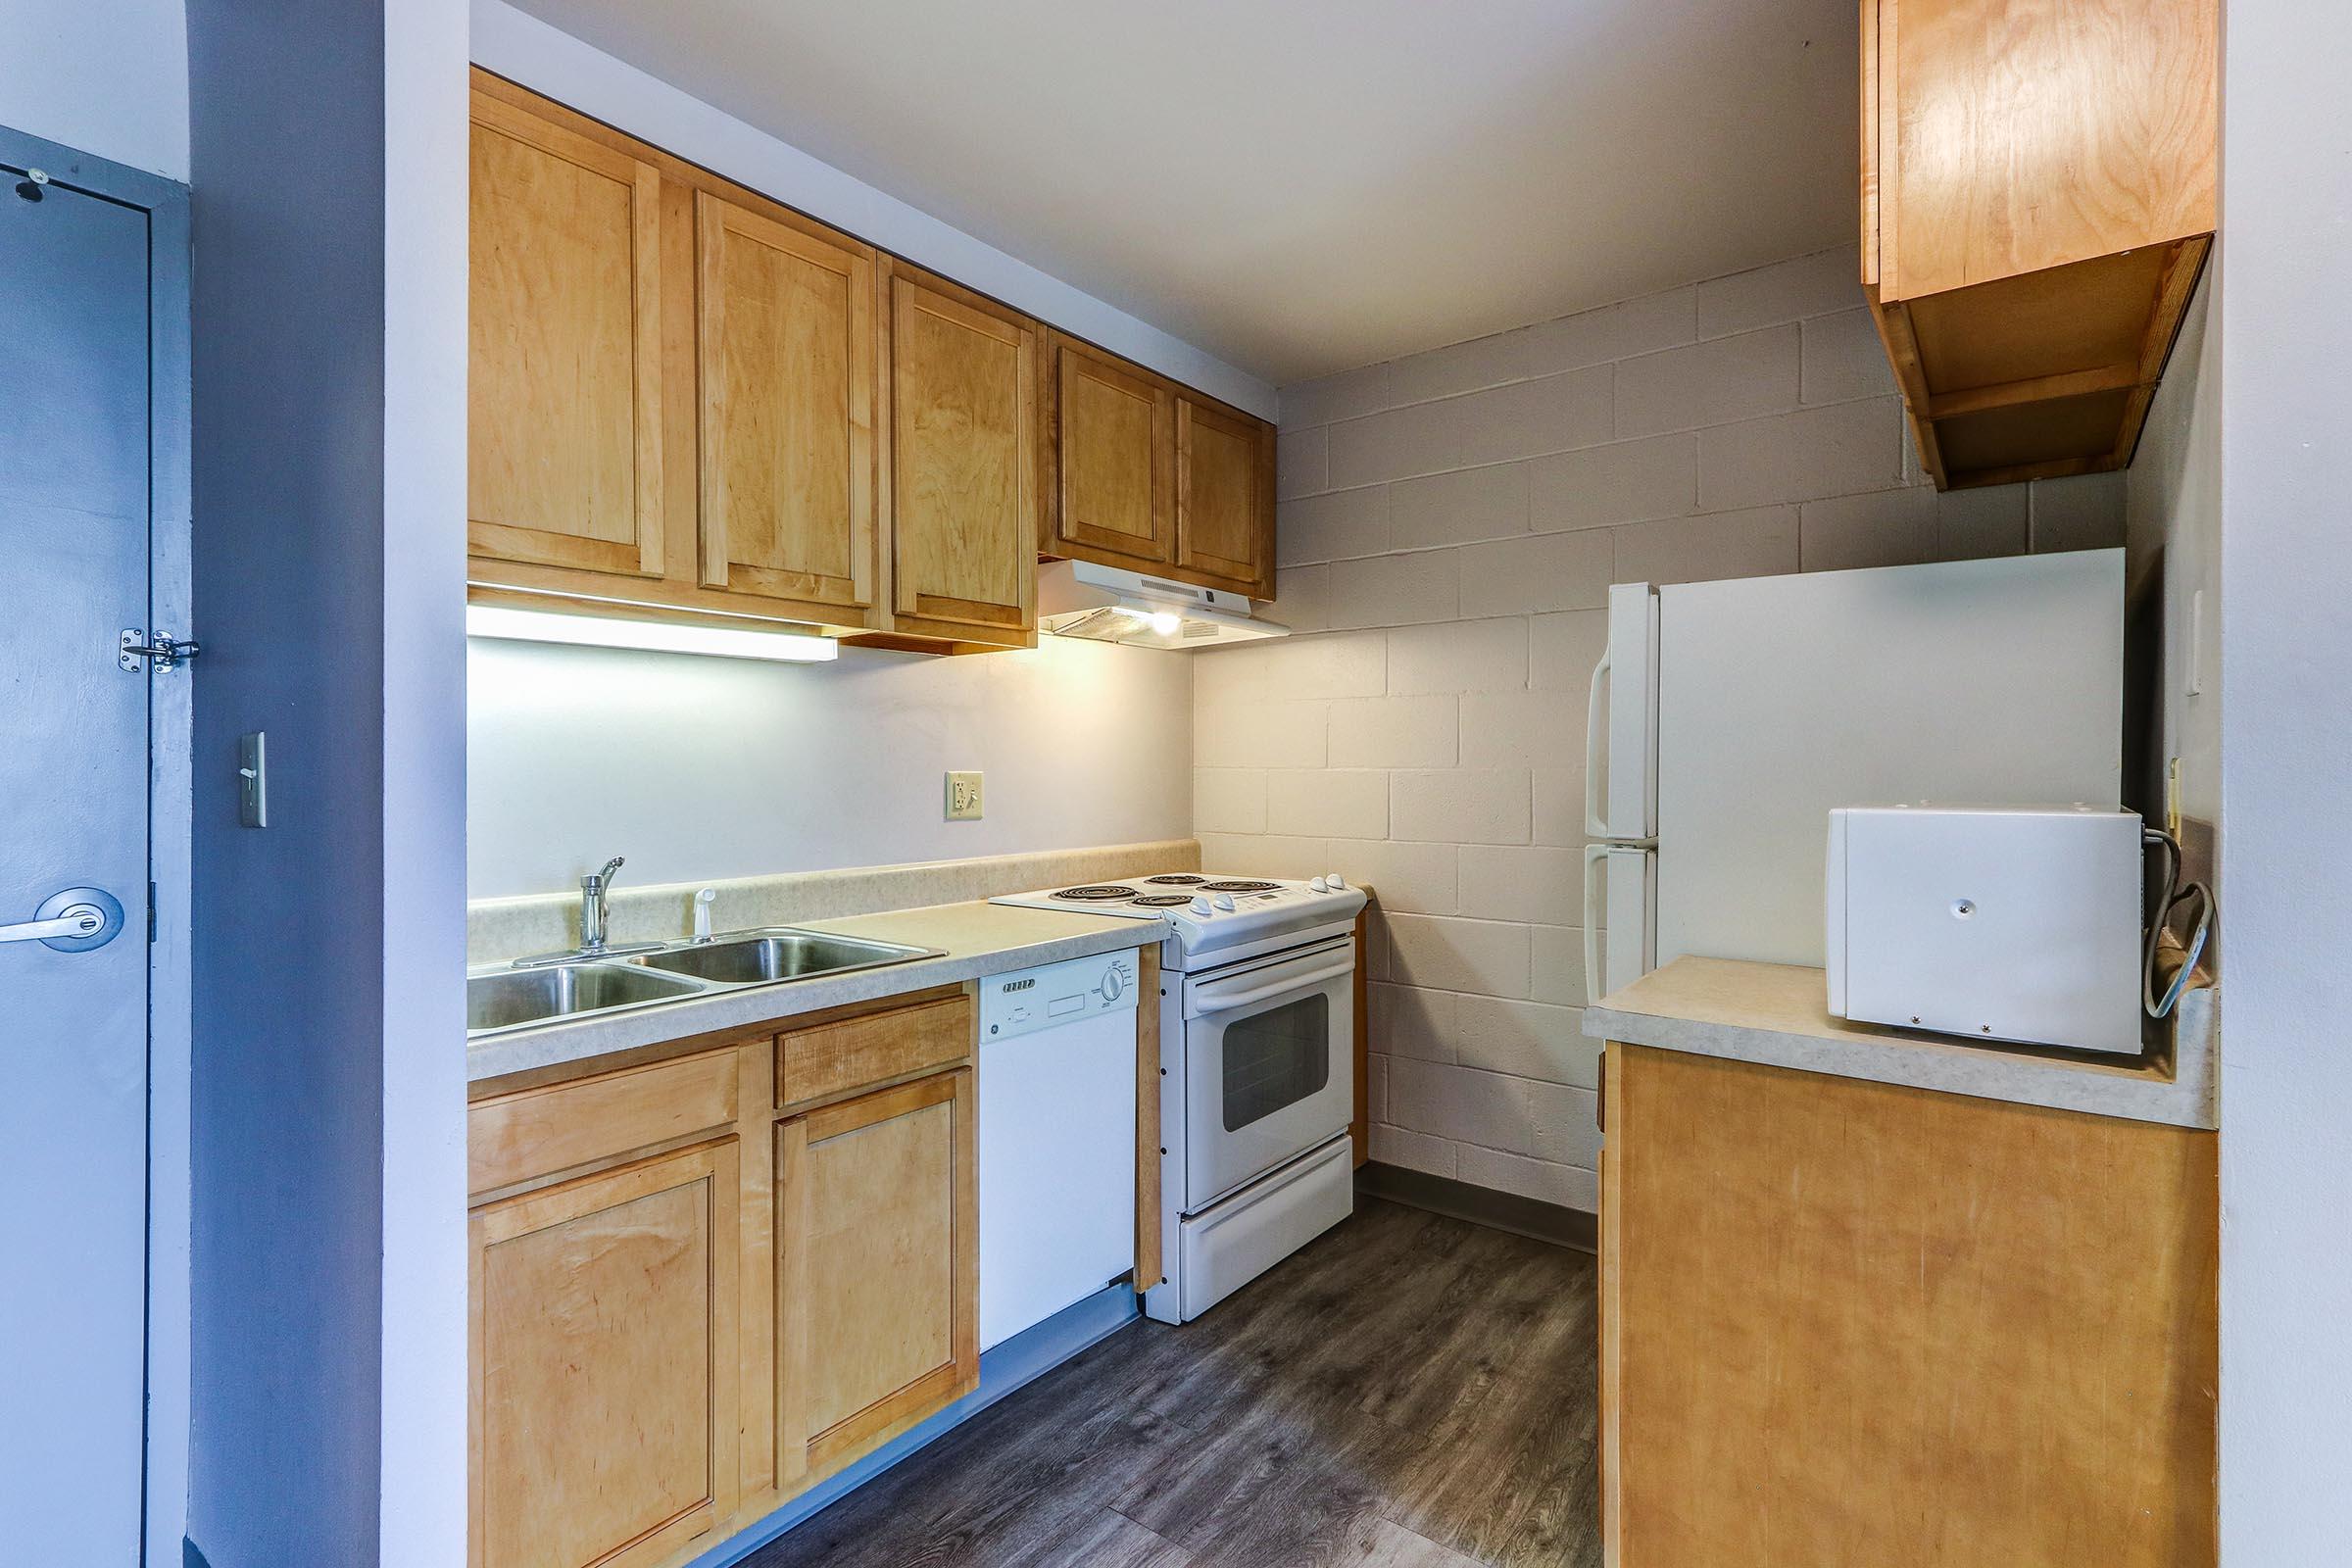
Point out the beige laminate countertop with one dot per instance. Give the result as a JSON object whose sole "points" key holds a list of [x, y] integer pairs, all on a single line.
{"points": [[978, 938], [1778, 1015]]}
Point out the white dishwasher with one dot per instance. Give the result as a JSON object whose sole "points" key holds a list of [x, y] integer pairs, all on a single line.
{"points": [[1057, 1138]]}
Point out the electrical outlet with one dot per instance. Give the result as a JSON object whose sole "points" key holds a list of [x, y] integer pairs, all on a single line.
{"points": [[963, 796]]}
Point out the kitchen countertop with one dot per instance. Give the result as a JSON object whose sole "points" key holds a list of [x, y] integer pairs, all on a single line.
{"points": [[1778, 1015], [978, 938]]}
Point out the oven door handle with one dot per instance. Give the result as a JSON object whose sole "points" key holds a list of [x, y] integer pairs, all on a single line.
{"points": [[1204, 1005]]}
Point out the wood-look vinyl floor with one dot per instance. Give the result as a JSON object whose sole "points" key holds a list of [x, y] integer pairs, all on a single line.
{"points": [[1408, 1391]]}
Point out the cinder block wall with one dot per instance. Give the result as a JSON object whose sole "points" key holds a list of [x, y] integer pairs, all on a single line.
{"points": [[1449, 524]]}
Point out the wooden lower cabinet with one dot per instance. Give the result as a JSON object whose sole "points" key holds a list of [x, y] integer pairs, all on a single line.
{"points": [[877, 1294], [1845, 1323], [699, 1283], [605, 1365]]}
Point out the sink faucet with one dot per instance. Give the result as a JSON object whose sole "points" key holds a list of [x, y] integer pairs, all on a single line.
{"points": [[595, 892]]}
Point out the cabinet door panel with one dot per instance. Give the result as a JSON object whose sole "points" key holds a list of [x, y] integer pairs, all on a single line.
{"points": [[964, 402], [786, 341], [1117, 450], [831, 1058], [1847, 1322], [878, 1267], [604, 1364], [564, 385], [1224, 524], [545, 1131], [2027, 135]]}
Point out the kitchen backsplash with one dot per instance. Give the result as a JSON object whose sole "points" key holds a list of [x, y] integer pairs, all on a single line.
{"points": [[703, 769], [498, 929]]}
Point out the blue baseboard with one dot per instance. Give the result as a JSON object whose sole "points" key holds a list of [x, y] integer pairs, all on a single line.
{"points": [[1021, 1359]]}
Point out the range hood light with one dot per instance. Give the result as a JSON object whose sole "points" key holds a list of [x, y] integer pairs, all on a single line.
{"points": [[1164, 622], [506, 623], [1087, 599]]}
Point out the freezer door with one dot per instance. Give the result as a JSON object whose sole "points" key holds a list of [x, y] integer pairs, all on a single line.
{"points": [[1620, 916], [1964, 683], [1621, 721]]}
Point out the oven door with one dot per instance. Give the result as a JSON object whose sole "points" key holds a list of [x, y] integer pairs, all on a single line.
{"points": [[1268, 1065]]}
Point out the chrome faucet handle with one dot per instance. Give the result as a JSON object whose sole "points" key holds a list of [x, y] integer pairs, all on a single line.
{"points": [[604, 878]]}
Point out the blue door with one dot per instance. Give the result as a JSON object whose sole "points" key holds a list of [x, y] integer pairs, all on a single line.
{"points": [[74, 861]]}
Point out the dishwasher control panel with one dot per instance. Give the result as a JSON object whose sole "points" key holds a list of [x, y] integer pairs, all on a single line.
{"points": [[1057, 994]]}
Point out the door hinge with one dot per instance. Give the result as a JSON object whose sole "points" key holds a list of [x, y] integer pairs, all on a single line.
{"points": [[151, 914], [168, 653]]}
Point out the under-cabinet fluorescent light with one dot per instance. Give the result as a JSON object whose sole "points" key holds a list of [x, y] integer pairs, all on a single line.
{"points": [[651, 636]]}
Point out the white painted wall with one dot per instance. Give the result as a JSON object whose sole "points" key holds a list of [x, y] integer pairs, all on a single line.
{"points": [[2286, 784], [421, 1457], [526, 50], [2173, 513], [105, 77], [700, 768]]}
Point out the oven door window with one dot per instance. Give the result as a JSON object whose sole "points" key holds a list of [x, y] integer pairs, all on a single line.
{"points": [[1275, 1060]]}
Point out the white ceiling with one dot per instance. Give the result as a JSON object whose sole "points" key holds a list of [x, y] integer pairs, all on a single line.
{"points": [[1301, 186]]}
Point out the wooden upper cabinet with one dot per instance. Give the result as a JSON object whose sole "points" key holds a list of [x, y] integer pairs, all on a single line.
{"points": [[878, 1268], [1225, 496], [1115, 445], [2020, 135], [605, 1366], [693, 401], [2037, 197], [564, 378], [785, 340], [962, 464]]}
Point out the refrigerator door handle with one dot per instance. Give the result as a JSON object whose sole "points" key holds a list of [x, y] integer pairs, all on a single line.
{"points": [[1596, 854], [1596, 737]]}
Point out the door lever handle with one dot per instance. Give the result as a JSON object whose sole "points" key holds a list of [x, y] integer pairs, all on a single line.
{"points": [[72, 921], [80, 921]]}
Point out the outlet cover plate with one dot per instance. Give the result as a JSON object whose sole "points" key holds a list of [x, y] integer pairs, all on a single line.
{"points": [[963, 796]]}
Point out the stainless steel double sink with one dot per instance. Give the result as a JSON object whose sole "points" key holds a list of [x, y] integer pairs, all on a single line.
{"points": [[518, 996]]}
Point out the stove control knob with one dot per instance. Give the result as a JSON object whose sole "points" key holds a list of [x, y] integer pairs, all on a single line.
{"points": [[1318, 885], [1336, 882], [1114, 983], [1224, 901], [1201, 904]]}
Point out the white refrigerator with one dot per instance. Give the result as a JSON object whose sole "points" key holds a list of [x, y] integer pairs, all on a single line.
{"points": [[1727, 718]]}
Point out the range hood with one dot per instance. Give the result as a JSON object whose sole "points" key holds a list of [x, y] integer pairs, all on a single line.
{"points": [[1112, 605]]}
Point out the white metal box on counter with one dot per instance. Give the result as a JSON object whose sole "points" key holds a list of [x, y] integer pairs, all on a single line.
{"points": [[2009, 923]]}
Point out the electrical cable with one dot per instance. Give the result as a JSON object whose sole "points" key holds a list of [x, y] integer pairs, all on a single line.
{"points": [[2170, 899]]}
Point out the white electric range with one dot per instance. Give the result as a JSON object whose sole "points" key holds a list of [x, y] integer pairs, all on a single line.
{"points": [[1256, 1042]]}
